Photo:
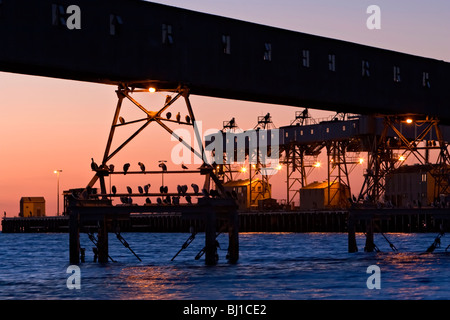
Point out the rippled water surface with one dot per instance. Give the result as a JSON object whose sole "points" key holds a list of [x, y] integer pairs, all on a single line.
{"points": [[271, 267]]}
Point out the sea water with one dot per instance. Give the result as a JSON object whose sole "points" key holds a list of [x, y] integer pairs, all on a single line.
{"points": [[271, 266]]}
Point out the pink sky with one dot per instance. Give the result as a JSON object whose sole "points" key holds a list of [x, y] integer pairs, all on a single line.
{"points": [[50, 124]]}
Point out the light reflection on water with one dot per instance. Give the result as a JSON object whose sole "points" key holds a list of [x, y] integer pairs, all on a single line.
{"points": [[279, 266]]}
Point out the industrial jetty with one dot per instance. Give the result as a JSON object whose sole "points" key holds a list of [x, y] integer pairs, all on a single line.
{"points": [[392, 117]]}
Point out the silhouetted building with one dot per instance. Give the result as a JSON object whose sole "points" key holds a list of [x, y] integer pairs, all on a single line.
{"points": [[246, 197], [318, 195], [32, 207], [410, 186]]}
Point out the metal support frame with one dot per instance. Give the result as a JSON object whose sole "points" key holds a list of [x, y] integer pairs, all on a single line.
{"points": [[124, 92], [296, 175], [253, 159], [99, 207], [225, 170], [383, 160], [337, 172]]}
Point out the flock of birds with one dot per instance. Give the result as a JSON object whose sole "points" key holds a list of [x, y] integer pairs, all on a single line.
{"points": [[164, 198], [126, 167], [187, 118]]}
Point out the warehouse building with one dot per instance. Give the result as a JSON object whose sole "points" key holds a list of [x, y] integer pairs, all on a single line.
{"points": [[32, 207], [410, 186], [249, 197], [320, 195]]}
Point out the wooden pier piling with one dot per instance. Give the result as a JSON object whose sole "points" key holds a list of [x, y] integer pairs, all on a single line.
{"points": [[74, 237], [102, 242], [105, 216], [210, 238], [233, 236], [370, 245], [352, 246]]}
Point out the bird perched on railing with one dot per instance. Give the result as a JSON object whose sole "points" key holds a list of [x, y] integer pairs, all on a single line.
{"points": [[129, 190], [142, 166], [167, 200], [111, 168], [124, 199], [147, 187], [94, 166], [182, 189], [195, 188], [126, 166], [114, 189], [188, 199], [184, 167], [205, 193], [163, 166], [141, 191]]}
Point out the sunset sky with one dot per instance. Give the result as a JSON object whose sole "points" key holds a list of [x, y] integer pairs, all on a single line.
{"points": [[49, 124]]}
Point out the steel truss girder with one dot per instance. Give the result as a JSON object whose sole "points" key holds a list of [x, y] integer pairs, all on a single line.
{"points": [[337, 172], [381, 157], [296, 167], [124, 93]]}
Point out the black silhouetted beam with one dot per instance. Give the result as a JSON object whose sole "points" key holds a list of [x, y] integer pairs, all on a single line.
{"points": [[144, 44]]}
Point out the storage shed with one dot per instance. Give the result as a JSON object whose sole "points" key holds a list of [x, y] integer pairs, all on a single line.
{"points": [[260, 190], [32, 207], [411, 186], [319, 196]]}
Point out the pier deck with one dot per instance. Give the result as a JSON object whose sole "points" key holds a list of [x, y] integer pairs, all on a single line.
{"points": [[393, 220]]}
